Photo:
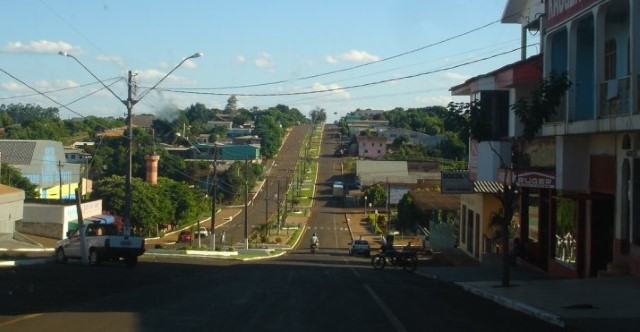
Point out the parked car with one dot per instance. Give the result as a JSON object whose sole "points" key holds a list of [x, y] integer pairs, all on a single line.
{"points": [[202, 232], [184, 236], [360, 247]]}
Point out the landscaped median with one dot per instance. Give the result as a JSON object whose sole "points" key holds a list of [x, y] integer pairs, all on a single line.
{"points": [[239, 254]]}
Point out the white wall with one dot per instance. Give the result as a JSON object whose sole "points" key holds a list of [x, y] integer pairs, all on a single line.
{"points": [[9, 213], [490, 158]]}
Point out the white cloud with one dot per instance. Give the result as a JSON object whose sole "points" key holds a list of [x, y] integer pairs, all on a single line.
{"points": [[190, 64], [433, 100], [330, 59], [333, 88], [263, 60], [13, 86], [152, 76], [240, 59], [40, 46], [352, 56], [457, 77], [359, 56], [119, 61], [41, 85]]}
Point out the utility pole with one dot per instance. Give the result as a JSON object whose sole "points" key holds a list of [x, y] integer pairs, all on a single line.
{"points": [[213, 199], [278, 202], [130, 102], [246, 202], [266, 204], [60, 174], [388, 204]]}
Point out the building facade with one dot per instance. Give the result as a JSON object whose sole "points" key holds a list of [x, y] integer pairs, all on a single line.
{"points": [[577, 212]]}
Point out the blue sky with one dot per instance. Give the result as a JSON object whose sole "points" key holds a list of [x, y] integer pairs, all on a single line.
{"points": [[262, 51]]}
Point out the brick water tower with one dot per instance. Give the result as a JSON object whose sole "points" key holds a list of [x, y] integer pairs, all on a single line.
{"points": [[152, 168]]}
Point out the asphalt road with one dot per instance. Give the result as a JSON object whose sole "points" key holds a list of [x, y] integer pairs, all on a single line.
{"points": [[326, 291], [282, 170], [329, 291]]}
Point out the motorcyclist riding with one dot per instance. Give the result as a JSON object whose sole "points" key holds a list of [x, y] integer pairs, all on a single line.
{"points": [[315, 243]]}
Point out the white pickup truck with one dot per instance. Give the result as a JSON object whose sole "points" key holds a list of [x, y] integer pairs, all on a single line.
{"points": [[103, 243]]}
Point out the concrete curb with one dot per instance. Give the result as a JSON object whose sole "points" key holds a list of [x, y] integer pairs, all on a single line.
{"points": [[503, 301], [24, 262], [515, 305]]}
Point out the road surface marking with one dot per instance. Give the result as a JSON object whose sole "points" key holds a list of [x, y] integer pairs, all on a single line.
{"points": [[19, 319], [395, 322]]}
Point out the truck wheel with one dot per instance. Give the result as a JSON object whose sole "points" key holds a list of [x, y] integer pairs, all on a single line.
{"points": [[93, 257], [131, 260], [60, 256]]}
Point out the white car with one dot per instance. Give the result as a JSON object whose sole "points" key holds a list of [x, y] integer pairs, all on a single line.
{"points": [[227, 218], [202, 232]]}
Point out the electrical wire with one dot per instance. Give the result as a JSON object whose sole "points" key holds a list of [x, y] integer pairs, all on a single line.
{"points": [[61, 89], [364, 64], [346, 87]]}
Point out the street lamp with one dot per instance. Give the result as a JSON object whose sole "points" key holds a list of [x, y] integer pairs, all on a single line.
{"points": [[365, 206], [129, 103]]}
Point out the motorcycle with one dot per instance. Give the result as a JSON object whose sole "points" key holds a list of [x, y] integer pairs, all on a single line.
{"points": [[407, 260], [314, 247]]}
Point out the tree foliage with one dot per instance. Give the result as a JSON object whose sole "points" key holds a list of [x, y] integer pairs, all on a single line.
{"points": [[168, 202], [12, 177], [376, 194], [318, 115], [409, 215], [542, 104]]}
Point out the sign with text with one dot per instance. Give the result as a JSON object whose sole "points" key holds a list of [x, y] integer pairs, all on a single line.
{"points": [[473, 159], [559, 11], [529, 179], [536, 180], [456, 182]]}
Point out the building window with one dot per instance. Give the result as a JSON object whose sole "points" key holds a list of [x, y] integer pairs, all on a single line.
{"points": [[373, 144], [379, 152], [534, 217], [469, 228], [366, 151], [610, 59], [463, 224], [566, 231]]}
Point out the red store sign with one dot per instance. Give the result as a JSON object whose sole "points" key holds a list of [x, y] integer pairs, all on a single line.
{"points": [[559, 11], [536, 180], [532, 179]]}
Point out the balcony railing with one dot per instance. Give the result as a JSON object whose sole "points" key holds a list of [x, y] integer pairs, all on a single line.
{"points": [[615, 97]]}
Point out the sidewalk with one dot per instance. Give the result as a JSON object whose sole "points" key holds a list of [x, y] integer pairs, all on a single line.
{"points": [[594, 304]]}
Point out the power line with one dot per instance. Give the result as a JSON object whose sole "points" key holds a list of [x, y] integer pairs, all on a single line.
{"points": [[356, 66], [65, 106], [62, 89], [346, 87]]}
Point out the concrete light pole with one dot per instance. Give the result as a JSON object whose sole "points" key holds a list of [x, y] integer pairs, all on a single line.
{"points": [[129, 103]]}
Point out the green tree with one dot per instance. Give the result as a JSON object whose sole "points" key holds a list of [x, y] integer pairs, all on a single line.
{"points": [[168, 202], [12, 177], [232, 105], [318, 115], [409, 215], [270, 131], [376, 194]]}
